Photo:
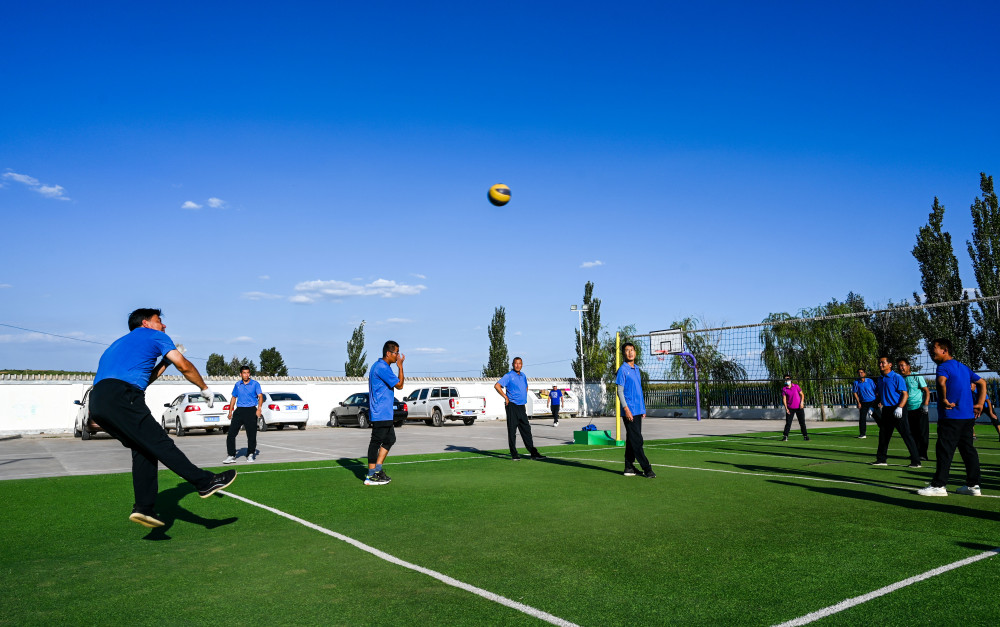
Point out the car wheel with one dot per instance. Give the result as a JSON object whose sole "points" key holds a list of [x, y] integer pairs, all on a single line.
{"points": [[399, 424], [261, 425], [334, 421], [428, 422], [469, 421], [280, 427], [76, 431], [302, 427], [225, 430], [179, 428], [436, 419], [363, 421], [85, 434]]}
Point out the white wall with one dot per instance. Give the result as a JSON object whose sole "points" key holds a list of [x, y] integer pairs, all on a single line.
{"points": [[45, 405]]}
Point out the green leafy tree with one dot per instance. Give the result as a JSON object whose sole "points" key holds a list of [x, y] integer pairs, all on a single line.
{"points": [[608, 352], [272, 364], [216, 366], [356, 364], [713, 364], [941, 283], [595, 357], [236, 364], [896, 328], [984, 249], [498, 363]]}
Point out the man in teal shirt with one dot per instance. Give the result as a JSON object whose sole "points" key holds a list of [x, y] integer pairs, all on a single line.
{"points": [[916, 406]]}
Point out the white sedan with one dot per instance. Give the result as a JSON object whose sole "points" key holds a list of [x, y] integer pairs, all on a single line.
{"points": [[537, 405], [190, 411], [283, 408]]}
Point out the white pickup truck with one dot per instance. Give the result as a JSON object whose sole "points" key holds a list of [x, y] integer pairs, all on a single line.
{"points": [[437, 404]]}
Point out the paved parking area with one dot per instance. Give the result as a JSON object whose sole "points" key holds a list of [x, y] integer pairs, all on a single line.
{"points": [[58, 455]]}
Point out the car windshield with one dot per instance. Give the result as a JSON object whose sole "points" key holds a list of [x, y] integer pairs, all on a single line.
{"points": [[285, 396], [195, 398]]}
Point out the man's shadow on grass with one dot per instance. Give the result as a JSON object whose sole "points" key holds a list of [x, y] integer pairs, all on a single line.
{"points": [[929, 504], [170, 510], [550, 460], [356, 466]]}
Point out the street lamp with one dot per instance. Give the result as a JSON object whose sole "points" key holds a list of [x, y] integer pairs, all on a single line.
{"points": [[583, 380]]}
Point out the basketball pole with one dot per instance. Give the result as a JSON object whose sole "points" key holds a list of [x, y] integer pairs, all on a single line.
{"points": [[618, 403]]}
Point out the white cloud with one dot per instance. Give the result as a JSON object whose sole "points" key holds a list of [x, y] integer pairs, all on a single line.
{"points": [[261, 296], [429, 351], [419, 276], [517, 333], [395, 320], [263, 277], [49, 191], [3, 285], [33, 337], [314, 291], [591, 264], [188, 204], [242, 339], [216, 203]]}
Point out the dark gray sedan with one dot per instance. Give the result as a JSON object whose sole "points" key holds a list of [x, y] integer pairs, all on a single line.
{"points": [[354, 412]]}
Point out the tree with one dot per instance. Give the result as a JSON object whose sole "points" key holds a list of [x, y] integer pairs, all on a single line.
{"points": [[272, 364], [216, 366], [896, 328], [356, 364], [713, 364], [941, 283], [236, 364], [595, 360], [498, 363], [984, 249]]}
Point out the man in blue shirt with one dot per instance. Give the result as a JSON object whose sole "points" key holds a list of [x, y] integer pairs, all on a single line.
{"points": [[244, 410], [957, 413], [554, 401], [118, 405], [892, 397], [515, 398], [381, 383], [629, 382], [864, 396]]}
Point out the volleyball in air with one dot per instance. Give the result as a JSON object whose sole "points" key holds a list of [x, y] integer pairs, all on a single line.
{"points": [[499, 195]]}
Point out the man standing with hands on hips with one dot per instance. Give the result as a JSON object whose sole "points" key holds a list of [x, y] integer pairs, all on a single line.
{"points": [[244, 410], [629, 382], [514, 400]]}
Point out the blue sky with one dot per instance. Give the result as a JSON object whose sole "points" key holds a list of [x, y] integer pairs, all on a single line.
{"points": [[271, 175]]}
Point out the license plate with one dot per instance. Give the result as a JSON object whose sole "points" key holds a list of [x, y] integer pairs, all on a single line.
{"points": [[211, 419], [291, 407]]}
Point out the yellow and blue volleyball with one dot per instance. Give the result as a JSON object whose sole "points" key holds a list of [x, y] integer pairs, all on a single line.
{"points": [[499, 195]]}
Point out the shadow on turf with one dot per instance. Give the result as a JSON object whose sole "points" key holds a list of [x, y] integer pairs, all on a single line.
{"points": [[550, 460], [923, 503], [168, 503]]}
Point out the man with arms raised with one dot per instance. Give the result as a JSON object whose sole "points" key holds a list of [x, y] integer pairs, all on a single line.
{"points": [[629, 382], [515, 398], [118, 405], [381, 383], [957, 413]]}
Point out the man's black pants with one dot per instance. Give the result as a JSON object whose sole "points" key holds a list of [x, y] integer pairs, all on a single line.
{"points": [[634, 442], [800, 413], [920, 429], [120, 409], [383, 436], [517, 420], [555, 412], [955, 433], [886, 425], [866, 406], [245, 417]]}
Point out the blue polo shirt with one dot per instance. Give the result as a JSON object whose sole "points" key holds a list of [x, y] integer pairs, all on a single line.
{"points": [[381, 383], [516, 385], [631, 378], [890, 389], [246, 393], [865, 389], [959, 383], [555, 397], [132, 357]]}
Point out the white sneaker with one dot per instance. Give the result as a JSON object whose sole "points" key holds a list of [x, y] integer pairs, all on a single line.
{"points": [[862, 437], [229, 460], [971, 490], [251, 457], [932, 491]]}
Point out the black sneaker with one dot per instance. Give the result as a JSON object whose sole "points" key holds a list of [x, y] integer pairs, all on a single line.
{"points": [[915, 465], [805, 437], [537, 456], [149, 519], [219, 481], [879, 464], [630, 471], [515, 457], [649, 474], [784, 438]]}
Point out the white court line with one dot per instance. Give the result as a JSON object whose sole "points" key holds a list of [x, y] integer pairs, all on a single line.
{"points": [[849, 603], [451, 581], [364, 464]]}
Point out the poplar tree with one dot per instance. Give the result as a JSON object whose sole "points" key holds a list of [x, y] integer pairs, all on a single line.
{"points": [[356, 364], [595, 359], [984, 249], [498, 363]]}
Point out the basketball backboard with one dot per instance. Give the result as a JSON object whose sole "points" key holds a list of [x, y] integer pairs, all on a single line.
{"points": [[666, 341]]}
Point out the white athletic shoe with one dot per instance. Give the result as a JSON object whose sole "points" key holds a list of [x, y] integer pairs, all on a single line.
{"points": [[862, 437], [229, 460], [932, 491], [251, 457], [971, 490]]}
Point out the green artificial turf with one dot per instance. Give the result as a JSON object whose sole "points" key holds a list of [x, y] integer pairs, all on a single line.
{"points": [[735, 530]]}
